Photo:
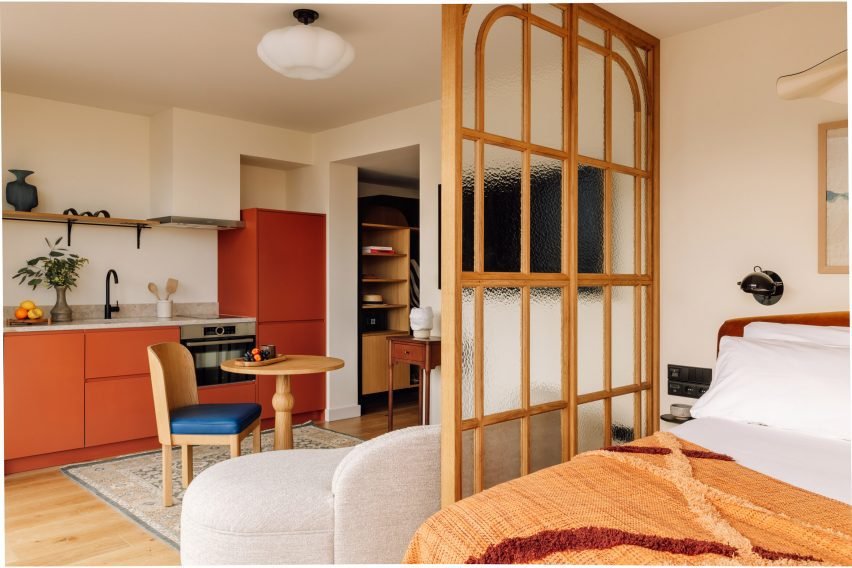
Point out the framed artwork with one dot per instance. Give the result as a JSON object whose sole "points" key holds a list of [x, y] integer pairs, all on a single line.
{"points": [[833, 198]]}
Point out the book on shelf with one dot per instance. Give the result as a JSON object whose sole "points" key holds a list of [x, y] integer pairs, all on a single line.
{"points": [[377, 250]]}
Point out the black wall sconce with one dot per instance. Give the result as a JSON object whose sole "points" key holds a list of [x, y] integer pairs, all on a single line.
{"points": [[764, 285]]}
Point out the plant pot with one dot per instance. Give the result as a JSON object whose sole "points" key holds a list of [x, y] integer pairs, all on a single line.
{"points": [[61, 311], [21, 195]]}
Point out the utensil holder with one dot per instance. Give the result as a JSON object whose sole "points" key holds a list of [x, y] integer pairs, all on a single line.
{"points": [[164, 308]]}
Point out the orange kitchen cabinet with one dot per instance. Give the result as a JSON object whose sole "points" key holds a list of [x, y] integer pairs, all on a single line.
{"points": [[123, 352], [236, 392], [119, 409], [43, 389], [273, 269], [301, 338], [291, 266]]}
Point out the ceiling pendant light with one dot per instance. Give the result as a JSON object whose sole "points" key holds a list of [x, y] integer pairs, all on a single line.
{"points": [[305, 51]]}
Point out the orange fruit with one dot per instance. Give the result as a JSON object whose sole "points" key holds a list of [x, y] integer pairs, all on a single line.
{"points": [[21, 313], [255, 351], [257, 357]]}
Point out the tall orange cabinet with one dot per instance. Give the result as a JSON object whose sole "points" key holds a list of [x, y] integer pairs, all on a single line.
{"points": [[273, 269]]}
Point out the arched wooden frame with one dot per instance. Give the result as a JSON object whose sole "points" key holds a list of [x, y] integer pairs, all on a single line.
{"points": [[568, 280]]}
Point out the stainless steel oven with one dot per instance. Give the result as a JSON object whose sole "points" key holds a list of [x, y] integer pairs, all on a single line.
{"points": [[210, 345]]}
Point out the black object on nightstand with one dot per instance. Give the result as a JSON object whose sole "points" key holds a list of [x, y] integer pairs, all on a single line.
{"points": [[674, 419]]}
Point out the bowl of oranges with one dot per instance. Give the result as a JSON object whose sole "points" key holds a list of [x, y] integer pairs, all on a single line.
{"points": [[27, 312]]}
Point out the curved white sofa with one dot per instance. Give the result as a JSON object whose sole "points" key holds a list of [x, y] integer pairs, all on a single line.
{"points": [[357, 505]]}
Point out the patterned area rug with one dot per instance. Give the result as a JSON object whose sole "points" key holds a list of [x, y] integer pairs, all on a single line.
{"points": [[132, 483]]}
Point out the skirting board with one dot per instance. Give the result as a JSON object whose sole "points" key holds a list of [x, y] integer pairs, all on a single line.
{"points": [[342, 412]]}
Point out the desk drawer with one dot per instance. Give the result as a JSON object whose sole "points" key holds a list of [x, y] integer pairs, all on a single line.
{"points": [[409, 353]]}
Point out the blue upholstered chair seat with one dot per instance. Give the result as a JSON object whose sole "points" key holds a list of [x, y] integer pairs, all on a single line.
{"points": [[214, 419]]}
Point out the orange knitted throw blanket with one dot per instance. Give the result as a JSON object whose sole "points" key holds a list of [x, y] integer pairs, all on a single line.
{"points": [[660, 500]]}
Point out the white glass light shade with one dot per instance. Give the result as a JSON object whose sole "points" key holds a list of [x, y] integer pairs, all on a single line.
{"points": [[305, 52]]}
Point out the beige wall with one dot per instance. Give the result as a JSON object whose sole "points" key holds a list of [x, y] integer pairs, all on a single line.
{"points": [[739, 174], [200, 175], [415, 126], [90, 159]]}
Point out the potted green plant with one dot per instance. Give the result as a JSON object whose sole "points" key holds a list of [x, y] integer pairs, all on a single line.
{"points": [[59, 270]]}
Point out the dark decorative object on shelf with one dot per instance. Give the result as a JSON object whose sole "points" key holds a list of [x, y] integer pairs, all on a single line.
{"points": [[21, 195], [766, 286], [72, 211]]}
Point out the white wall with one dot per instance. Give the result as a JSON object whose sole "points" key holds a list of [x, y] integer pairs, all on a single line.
{"points": [[739, 174], [415, 126], [202, 172], [262, 187], [90, 159]]}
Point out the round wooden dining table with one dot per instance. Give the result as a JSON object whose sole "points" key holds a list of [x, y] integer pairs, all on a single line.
{"points": [[282, 400]]}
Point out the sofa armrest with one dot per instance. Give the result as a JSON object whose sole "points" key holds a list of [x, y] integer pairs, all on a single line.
{"points": [[384, 489]]}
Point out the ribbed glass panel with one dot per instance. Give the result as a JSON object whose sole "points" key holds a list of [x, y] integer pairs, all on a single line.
{"points": [[590, 340], [621, 49], [623, 411], [549, 12], [622, 334], [468, 357], [545, 214], [504, 78], [546, 88], [590, 220], [623, 118], [592, 32], [590, 426], [502, 452], [473, 22], [467, 463], [545, 345], [546, 440], [623, 223], [502, 344], [468, 203], [590, 87], [502, 209]]}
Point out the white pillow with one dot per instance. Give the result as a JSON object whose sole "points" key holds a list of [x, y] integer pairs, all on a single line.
{"points": [[822, 334], [783, 384]]}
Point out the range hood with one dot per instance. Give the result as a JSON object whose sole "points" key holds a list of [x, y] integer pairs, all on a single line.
{"points": [[197, 223]]}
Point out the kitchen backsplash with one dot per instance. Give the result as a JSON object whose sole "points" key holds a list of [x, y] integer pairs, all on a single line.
{"points": [[96, 311]]}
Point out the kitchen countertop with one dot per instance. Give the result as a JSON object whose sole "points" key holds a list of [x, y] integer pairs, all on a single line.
{"points": [[119, 322]]}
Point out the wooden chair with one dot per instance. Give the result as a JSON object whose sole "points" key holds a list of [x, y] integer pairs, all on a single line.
{"points": [[181, 421]]}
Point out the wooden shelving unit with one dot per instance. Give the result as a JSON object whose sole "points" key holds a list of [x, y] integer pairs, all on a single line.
{"points": [[388, 275], [71, 220]]}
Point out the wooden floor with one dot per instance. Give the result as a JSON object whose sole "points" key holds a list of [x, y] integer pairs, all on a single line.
{"points": [[50, 520]]}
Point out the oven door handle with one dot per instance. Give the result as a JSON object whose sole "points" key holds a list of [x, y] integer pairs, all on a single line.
{"points": [[219, 342]]}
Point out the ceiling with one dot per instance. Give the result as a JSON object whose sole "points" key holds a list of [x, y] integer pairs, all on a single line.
{"points": [[399, 167], [663, 20], [145, 57]]}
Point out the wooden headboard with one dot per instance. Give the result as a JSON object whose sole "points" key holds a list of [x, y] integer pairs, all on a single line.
{"points": [[734, 327]]}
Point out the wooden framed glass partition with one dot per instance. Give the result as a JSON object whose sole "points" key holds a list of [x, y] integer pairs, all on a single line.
{"points": [[549, 309]]}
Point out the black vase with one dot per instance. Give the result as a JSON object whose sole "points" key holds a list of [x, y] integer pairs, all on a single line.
{"points": [[21, 195]]}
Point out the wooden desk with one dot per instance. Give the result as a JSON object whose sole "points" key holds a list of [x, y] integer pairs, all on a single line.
{"points": [[282, 400], [425, 354]]}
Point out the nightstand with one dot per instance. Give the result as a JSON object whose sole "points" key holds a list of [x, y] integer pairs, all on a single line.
{"points": [[424, 353]]}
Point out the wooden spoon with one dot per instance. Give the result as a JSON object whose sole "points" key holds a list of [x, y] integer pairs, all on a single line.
{"points": [[154, 290], [171, 287]]}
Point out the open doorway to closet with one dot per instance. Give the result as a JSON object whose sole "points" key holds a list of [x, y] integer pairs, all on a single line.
{"points": [[388, 276]]}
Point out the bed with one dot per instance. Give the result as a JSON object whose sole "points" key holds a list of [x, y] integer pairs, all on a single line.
{"points": [[713, 491]]}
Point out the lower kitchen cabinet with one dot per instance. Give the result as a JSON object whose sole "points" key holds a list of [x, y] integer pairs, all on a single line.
{"points": [[298, 338], [119, 409], [221, 394], [43, 390]]}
